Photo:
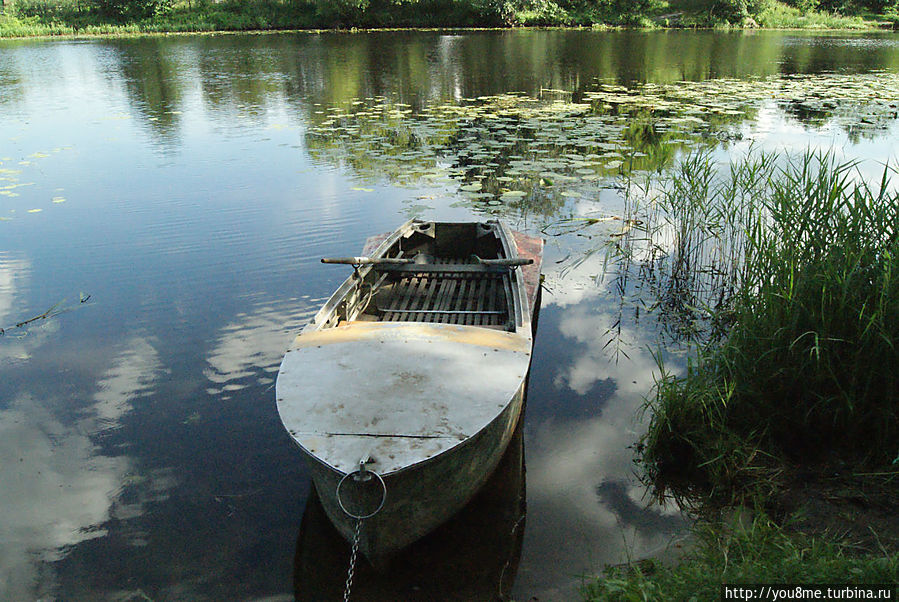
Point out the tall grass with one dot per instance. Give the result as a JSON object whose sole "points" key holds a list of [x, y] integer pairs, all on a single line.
{"points": [[778, 15], [795, 269], [14, 27]]}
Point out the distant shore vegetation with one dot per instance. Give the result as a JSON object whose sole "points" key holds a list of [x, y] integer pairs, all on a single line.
{"points": [[23, 18]]}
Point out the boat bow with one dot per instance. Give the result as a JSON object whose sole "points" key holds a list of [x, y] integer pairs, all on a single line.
{"points": [[396, 393]]}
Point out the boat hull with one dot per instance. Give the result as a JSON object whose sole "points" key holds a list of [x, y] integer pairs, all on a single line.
{"points": [[473, 556], [354, 382], [424, 496]]}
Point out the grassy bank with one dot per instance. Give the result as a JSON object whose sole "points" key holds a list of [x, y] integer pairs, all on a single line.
{"points": [[760, 552], [791, 403], [23, 18]]}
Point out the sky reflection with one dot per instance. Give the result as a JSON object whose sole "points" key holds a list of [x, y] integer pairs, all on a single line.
{"points": [[249, 349], [56, 493], [58, 489], [578, 462]]}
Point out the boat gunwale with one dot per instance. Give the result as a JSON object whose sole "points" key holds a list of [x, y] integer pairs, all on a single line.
{"points": [[519, 296], [324, 315]]}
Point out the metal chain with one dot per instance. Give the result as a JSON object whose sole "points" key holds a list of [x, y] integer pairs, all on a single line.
{"points": [[352, 570], [361, 475]]}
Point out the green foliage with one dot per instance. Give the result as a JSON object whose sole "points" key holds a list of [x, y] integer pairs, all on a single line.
{"points": [[845, 7], [727, 11], [48, 11], [130, 10], [782, 16], [49, 17], [805, 6], [341, 12], [732, 11], [614, 12], [804, 366], [760, 552], [541, 12], [495, 12], [757, 6], [13, 26], [854, 6]]}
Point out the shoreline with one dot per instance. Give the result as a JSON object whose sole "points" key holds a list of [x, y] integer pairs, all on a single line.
{"points": [[122, 31], [76, 35]]}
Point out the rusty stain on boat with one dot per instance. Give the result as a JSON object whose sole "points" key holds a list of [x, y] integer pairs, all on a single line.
{"points": [[384, 331]]}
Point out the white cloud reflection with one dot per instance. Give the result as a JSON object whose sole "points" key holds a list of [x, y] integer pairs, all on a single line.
{"points": [[251, 346], [57, 488], [54, 490], [132, 373], [570, 524], [13, 274]]}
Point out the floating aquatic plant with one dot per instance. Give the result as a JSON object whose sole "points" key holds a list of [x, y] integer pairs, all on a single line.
{"points": [[509, 147]]}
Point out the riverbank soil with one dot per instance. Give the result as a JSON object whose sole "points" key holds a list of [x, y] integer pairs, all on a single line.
{"points": [[811, 526], [837, 502]]}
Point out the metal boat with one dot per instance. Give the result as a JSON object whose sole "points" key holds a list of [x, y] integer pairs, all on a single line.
{"points": [[404, 390]]}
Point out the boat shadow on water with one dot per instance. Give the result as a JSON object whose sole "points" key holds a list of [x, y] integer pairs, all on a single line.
{"points": [[473, 556]]}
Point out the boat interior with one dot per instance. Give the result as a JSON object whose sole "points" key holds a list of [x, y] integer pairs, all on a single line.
{"points": [[453, 273]]}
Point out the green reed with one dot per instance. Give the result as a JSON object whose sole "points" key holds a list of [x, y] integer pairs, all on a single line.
{"points": [[789, 264]]}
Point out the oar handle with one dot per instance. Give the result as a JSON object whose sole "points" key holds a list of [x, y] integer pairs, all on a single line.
{"points": [[365, 260]]}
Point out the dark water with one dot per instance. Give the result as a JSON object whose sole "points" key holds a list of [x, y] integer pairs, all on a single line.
{"points": [[186, 188]]}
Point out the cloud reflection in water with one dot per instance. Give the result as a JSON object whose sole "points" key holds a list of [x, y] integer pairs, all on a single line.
{"points": [[583, 499], [14, 272], [252, 344], [57, 489]]}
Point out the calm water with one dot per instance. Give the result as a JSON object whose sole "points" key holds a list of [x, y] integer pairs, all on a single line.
{"points": [[188, 187]]}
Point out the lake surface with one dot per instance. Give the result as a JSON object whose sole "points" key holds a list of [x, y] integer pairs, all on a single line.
{"points": [[168, 200]]}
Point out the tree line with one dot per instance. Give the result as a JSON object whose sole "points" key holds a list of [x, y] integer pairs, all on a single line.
{"points": [[283, 14]]}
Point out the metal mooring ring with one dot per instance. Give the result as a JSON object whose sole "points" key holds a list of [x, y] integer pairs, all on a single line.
{"points": [[383, 494]]}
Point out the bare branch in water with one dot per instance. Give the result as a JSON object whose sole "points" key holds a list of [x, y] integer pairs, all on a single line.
{"points": [[54, 310]]}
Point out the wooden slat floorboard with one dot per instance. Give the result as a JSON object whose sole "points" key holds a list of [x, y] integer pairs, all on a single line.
{"points": [[444, 298], [471, 299], [416, 299], [482, 291], [408, 287]]}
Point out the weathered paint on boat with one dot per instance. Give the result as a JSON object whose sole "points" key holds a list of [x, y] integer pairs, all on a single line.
{"points": [[430, 407], [387, 390]]}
